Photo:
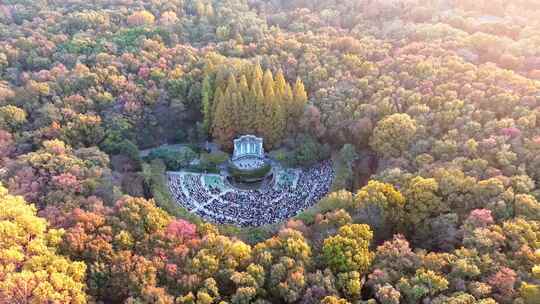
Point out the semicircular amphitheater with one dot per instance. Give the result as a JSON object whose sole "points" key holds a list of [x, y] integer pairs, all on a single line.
{"points": [[283, 194]]}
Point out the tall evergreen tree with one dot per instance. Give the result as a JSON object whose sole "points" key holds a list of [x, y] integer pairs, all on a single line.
{"points": [[232, 85], [222, 75], [246, 107], [258, 93], [300, 99], [269, 110], [288, 109], [243, 86], [207, 103], [279, 108], [278, 122], [280, 85], [218, 96], [254, 102], [256, 74], [224, 123], [232, 97], [268, 86]]}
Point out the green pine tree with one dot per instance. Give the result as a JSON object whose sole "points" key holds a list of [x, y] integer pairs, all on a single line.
{"points": [[207, 103], [268, 110], [299, 101], [222, 75], [218, 96], [232, 85], [261, 117], [246, 107], [268, 86], [225, 126], [232, 97], [259, 104], [280, 85], [256, 74], [278, 122]]}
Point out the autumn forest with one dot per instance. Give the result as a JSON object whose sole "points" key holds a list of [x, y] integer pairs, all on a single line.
{"points": [[427, 110]]}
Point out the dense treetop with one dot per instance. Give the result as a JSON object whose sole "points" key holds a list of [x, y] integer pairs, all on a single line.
{"points": [[429, 110]]}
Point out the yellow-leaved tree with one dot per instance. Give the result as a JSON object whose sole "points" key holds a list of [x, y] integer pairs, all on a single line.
{"points": [[31, 271]]}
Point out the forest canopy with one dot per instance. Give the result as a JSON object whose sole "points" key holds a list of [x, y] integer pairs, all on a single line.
{"points": [[428, 110]]}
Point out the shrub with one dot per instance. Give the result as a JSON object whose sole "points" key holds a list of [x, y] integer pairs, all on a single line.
{"points": [[173, 159]]}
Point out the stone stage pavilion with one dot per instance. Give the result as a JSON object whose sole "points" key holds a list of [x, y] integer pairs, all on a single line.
{"points": [[280, 193], [248, 153]]}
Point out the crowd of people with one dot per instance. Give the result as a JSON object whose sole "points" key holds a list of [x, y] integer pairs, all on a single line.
{"points": [[269, 204], [188, 189]]}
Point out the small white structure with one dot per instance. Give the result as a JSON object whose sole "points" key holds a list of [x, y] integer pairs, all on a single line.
{"points": [[248, 146], [248, 153]]}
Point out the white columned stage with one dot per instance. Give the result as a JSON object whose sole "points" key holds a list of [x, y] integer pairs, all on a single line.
{"points": [[248, 145]]}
